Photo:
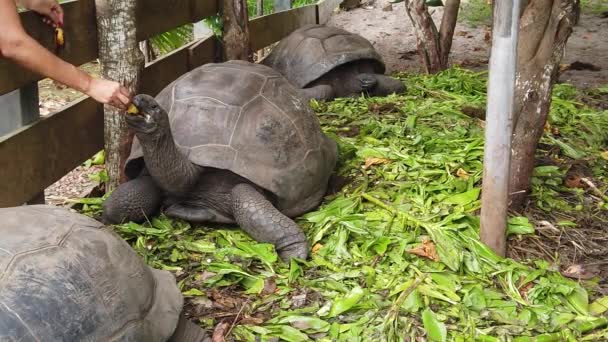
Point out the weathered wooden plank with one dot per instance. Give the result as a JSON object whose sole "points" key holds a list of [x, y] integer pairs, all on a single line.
{"points": [[154, 17], [202, 52], [273, 27], [37, 155], [80, 42], [326, 8], [166, 69], [158, 16]]}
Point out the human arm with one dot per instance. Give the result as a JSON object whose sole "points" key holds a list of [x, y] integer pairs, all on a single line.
{"points": [[18, 46]]}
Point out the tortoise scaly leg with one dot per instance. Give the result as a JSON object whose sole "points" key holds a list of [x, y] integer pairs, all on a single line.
{"points": [[260, 219], [385, 85], [134, 200], [188, 331]]}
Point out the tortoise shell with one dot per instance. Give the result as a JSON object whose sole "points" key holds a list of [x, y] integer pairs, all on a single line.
{"points": [[248, 119], [312, 51], [63, 277]]}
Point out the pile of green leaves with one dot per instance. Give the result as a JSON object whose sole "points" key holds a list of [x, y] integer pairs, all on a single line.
{"points": [[396, 253]]}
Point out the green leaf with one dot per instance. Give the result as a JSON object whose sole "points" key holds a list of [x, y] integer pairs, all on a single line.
{"points": [[599, 306], [519, 225], [436, 330], [292, 335], [193, 292], [579, 300], [200, 246], [306, 323], [463, 198], [347, 302]]}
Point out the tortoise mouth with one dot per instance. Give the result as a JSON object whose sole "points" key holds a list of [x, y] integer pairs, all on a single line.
{"points": [[142, 123]]}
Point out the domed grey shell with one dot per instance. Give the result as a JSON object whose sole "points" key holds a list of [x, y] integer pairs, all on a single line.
{"points": [[248, 119], [314, 50], [63, 277]]}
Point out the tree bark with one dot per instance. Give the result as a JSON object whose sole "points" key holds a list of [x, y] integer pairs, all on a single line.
{"points": [[236, 30], [545, 27], [433, 46], [446, 32], [121, 61]]}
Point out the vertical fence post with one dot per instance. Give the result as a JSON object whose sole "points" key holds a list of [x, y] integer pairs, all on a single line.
{"points": [[121, 61], [19, 108], [497, 152]]}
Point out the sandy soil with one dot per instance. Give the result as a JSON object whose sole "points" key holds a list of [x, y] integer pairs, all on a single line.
{"points": [[392, 34]]}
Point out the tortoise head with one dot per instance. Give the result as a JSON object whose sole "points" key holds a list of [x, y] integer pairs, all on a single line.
{"points": [[146, 117]]}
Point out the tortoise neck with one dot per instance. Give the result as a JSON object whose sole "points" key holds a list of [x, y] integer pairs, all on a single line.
{"points": [[170, 168]]}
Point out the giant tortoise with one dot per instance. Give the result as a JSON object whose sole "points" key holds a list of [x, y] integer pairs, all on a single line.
{"points": [[227, 142], [65, 277], [328, 62]]}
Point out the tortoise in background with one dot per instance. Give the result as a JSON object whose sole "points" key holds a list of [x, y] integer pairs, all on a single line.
{"points": [[329, 62], [229, 142], [65, 277]]}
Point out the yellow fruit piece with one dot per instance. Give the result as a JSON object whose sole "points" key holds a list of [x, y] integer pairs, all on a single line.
{"points": [[132, 109], [59, 36], [604, 155]]}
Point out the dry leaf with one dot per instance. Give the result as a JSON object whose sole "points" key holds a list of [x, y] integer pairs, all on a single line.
{"points": [[375, 161], [578, 272], [604, 155], [574, 181], [219, 332], [462, 174], [248, 320], [270, 286], [523, 291], [427, 250], [316, 248]]}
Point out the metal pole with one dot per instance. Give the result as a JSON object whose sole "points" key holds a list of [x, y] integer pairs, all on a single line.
{"points": [[282, 5], [499, 122]]}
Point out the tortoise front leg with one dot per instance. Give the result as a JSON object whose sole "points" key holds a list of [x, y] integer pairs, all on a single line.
{"points": [[260, 219], [318, 92], [135, 200], [386, 85], [187, 331]]}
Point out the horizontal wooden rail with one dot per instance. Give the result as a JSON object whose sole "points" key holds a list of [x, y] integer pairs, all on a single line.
{"points": [[270, 28], [36, 156], [153, 17]]}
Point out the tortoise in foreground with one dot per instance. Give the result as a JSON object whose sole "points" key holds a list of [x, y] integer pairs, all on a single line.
{"points": [[65, 277], [227, 142], [329, 62]]}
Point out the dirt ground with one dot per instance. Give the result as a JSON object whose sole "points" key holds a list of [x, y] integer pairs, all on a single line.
{"points": [[392, 34]]}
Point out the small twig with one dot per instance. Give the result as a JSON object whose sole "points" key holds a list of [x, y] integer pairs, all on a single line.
{"points": [[236, 317], [594, 188], [394, 310]]}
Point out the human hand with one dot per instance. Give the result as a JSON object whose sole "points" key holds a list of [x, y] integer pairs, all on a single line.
{"points": [[50, 9], [109, 92]]}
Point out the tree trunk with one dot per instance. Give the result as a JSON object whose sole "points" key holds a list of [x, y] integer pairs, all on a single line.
{"points": [[121, 61], [433, 46], [236, 30], [446, 32], [545, 27]]}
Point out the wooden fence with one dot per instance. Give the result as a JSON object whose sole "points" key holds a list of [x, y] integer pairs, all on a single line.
{"points": [[37, 155]]}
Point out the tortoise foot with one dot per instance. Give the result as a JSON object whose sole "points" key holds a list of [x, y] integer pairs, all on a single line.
{"points": [[265, 223]]}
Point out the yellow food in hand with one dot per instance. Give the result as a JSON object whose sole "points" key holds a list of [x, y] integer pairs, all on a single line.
{"points": [[59, 36]]}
